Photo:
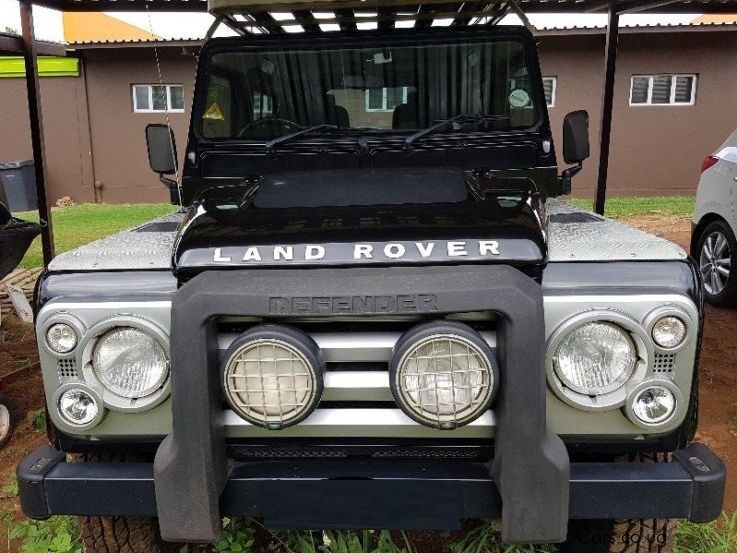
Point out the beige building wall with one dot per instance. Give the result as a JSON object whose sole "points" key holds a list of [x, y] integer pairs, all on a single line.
{"points": [[66, 134], [578, 65], [655, 150], [121, 166]]}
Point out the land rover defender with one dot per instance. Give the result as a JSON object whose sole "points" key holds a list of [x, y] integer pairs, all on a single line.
{"points": [[371, 312]]}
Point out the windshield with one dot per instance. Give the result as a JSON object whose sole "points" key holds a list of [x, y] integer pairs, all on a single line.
{"points": [[267, 95]]}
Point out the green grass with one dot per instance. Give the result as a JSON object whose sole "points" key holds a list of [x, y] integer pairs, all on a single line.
{"points": [[62, 535], [719, 536], [80, 224], [679, 206]]}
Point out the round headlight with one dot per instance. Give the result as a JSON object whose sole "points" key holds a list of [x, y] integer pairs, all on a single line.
{"points": [[78, 407], [130, 362], [273, 376], [669, 332], [595, 358], [654, 405], [61, 338], [443, 375]]}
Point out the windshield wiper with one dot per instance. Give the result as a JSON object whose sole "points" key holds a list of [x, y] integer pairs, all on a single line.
{"points": [[410, 140], [272, 144]]}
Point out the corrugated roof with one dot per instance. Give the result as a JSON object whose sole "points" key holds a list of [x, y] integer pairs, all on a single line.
{"points": [[169, 42], [672, 26], [543, 30]]}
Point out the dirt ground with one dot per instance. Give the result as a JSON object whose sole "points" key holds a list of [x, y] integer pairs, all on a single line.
{"points": [[21, 381], [718, 394]]}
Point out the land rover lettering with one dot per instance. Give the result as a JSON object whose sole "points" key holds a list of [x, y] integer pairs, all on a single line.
{"points": [[439, 251]]}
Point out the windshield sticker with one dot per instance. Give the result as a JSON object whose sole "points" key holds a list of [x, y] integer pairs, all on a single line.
{"points": [[214, 112], [519, 98]]}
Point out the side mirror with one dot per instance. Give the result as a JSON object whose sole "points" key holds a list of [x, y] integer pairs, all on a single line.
{"points": [[576, 147], [576, 137], [162, 150]]}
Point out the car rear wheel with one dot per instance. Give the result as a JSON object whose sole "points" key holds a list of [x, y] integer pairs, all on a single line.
{"points": [[717, 252], [6, 419]]}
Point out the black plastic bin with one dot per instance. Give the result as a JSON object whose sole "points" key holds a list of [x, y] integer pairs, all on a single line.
{"points": [[18, 180], [15, 239]]}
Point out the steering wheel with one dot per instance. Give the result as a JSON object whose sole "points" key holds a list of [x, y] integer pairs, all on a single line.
{"points": [[267, 128]]}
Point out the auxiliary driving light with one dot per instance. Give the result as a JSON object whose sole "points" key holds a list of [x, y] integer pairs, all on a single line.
{"points": [[78, 407], [61, 338], [654, 405], [443, 374], [595, 358], [669, 332], [273, 376]]}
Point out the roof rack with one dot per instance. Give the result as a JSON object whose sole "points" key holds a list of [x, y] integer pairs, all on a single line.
{"points": [[350, 15]]}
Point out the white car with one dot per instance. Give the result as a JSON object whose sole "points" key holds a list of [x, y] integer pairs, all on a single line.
{"points": [[713, 243]]}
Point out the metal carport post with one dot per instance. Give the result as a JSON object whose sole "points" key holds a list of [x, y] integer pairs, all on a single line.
{"points": [[30, 49], [614, 9]]}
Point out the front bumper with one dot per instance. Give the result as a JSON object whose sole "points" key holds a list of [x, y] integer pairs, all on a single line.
{"points": [[377, 493]]}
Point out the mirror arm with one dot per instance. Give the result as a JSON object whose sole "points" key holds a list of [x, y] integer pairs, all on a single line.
{"points": [[567, 176], [170, 183]]}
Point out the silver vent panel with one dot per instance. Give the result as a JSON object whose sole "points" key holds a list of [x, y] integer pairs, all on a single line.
{"points": [[66, 369], [664, 363]]}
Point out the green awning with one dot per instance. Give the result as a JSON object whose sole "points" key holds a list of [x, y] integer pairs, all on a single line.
{"points": [[13, 67]]}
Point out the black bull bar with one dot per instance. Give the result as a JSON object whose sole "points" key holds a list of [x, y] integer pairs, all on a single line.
{"points": [[530, 466]]}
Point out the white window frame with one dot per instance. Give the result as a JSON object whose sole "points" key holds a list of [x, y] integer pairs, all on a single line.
{"points": [[150, 87], [671, 102], [385, 94], [554, 91], [263, 112]]}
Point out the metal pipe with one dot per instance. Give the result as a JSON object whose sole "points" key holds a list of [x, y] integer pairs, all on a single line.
{"points": [[610, 65], [30, 55]]}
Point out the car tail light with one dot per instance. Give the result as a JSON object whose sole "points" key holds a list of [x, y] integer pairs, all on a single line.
{"points": [[708, 163]]}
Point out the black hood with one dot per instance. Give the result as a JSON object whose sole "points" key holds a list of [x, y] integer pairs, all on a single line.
{"points": [[365, 217]]}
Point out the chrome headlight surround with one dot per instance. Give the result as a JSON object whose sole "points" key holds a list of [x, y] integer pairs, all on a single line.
{"points": [[452, 333], [615, 396], [65, 424], [65, 319], [661, 312], [673, 420], [251, 400], [111, 399]]}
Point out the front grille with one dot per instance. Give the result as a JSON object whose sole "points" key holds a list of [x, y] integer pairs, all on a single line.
{"points": [[479, 453], [470, 452]]}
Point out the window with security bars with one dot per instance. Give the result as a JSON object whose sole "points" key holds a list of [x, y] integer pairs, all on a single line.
{"points": [[263, 105], [663, 90], [550, 87], [386, 98], [155, 98]]}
